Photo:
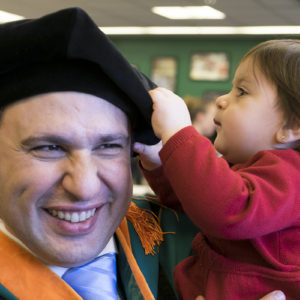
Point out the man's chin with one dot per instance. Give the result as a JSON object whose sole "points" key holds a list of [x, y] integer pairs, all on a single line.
{"points": [[69, 259]]}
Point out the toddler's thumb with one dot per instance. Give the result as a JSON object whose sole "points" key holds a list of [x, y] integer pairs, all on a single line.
{"points": [[139, 148]]}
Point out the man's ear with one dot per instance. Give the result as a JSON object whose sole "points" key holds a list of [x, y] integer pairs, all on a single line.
{"points": [[287, 135]]}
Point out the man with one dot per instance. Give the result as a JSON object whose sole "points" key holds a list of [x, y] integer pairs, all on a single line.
{"points": [[71, 108]]}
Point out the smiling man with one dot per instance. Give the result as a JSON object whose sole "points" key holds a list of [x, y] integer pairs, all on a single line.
{"points": [[71, 108], [64, 174]]}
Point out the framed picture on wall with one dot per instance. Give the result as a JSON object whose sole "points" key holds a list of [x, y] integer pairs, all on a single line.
{"points": [[164, 71], [211, 66]]}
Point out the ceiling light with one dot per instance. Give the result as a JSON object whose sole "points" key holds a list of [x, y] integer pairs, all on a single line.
{"points": [[203, 30], [9, 17], [188, 12]]}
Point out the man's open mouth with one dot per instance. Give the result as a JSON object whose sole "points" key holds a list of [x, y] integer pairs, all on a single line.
{"points": [[72, 216]]}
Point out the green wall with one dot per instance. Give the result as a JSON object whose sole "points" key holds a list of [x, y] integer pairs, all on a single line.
{"points": [[141, 50]]}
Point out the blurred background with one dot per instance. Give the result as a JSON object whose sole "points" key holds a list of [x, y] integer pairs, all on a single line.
{"points": [[189, 46]]}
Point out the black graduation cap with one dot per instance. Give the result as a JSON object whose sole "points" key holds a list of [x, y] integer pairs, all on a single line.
{"points": [[66, 51]]}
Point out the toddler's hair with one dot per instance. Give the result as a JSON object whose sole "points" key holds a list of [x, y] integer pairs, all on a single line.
{"points": [[279, 61]]}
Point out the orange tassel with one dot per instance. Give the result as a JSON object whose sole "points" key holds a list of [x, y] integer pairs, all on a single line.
{"points": [[146, 225]]}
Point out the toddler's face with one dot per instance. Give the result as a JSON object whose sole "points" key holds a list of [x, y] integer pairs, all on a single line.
{"points": [[248, 119]]}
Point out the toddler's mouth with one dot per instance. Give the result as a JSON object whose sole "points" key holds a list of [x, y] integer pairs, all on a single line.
{"points": [[217, 123]]}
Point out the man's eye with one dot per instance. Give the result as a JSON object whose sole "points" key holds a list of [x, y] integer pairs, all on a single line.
{"points": [[109, 148], [48, 151], [48, 148]]}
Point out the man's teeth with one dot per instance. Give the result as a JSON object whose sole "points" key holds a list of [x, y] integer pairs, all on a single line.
{"points": [[73, 217]]}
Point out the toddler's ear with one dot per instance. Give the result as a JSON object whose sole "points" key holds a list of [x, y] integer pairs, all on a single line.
{"points": [[284, 135]]}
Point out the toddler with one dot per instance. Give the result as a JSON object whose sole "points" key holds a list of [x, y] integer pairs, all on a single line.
{"points": [[247, 202]]}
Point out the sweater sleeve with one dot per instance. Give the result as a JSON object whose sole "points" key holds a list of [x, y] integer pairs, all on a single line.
{"points": [[242, 202], [161, 187]]}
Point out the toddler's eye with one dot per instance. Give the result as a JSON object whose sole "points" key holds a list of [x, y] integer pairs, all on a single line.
{"points": [[241, 92]]}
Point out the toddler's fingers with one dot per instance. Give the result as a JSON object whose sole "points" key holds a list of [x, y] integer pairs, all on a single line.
{"points": [[139, 147], [160, 93], [146, 150], [276, 295]]}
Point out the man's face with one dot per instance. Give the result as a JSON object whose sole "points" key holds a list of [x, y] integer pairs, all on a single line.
{"points": [[65, 175]]}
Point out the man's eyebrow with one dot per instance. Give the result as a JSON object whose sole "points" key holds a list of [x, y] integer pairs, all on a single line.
{"points": [[112, 137], [53, 139], [56, 139]]}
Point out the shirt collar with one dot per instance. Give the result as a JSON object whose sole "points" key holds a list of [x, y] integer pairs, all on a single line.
{"points": [[110, 247]]}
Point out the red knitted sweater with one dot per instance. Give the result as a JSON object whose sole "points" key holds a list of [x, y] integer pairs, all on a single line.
{"points": [[249, 216]]}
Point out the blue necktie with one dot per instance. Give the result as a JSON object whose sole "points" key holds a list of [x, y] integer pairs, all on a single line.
{"points": [[95, 280]]}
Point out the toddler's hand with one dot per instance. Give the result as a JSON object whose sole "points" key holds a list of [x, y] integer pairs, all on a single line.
{"points": [[170, 113], [275, 295], [148, 155]]}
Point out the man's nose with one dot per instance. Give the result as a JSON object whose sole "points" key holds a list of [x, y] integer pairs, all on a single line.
{"points": [[81, 177], [222, 101]]}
